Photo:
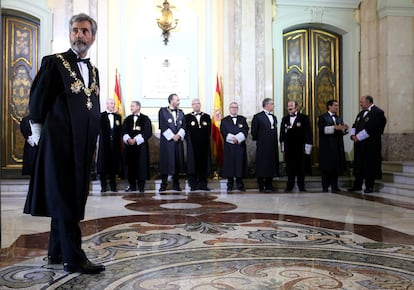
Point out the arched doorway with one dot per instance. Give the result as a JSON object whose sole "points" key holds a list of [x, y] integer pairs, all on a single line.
{"points": [[311, 73]]}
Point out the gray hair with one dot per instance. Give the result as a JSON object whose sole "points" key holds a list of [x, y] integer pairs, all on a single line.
{"points": [[83, 17]]}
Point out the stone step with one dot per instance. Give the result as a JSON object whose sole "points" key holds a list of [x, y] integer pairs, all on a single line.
{"points": [[398, 177], [313, 183], [397, 189], [398, 166]]}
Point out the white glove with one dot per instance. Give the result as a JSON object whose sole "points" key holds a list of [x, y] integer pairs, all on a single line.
{"points": [[36, 131], [31, 141]]}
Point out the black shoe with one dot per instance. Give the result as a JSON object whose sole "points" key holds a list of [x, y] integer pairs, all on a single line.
{"points": [[86, 267], [288, 189], [353, 189], [129, 189], [368, 190], [205, 189], [177, 188], [104, 189], [241, 188], [141, 190], [302, 189], [229, 188], [269, 190], [324, 189], [336, 190], [163, 188], [114, 189], [51, 260]]}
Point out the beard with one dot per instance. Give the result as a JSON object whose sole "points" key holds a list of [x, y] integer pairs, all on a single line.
{"points": [[80, 46]]}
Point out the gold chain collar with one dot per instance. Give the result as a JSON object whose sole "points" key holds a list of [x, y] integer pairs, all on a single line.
{"points": [[79, 85]]}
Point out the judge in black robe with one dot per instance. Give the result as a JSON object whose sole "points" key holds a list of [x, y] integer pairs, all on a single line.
{"points": [[198, 134], [172, 125], [137, 129], [296, 142], [234, 130], [109, 151], [264, 132], [29, 148], [331, 146], [65, 116], [366, 133]]}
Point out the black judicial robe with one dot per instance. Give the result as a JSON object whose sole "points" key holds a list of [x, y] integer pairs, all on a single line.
{"points": [[331, 146], [267, 150], [171, 152], [198, 144], [295, 136], [110, 140], [138, 154], [59, 185], [29, 151], [367, 153], [234, 155]]}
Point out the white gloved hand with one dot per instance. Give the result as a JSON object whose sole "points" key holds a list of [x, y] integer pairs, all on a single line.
{"points": [[31, 141], [36, 131]]}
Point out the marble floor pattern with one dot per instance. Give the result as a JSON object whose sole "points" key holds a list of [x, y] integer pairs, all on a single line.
{"points": [[218, 240]]}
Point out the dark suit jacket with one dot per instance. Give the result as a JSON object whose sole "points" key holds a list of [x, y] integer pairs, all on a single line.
{"points": [[367, 153], [295, 136], [137, 156], [110, 140], [171, 152], [198, 144], [59, 184], [331, 146], [234, 155], [267, 151]]}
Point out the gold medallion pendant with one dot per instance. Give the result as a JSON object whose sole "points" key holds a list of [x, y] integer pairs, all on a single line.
{"points": [[89, 104]]}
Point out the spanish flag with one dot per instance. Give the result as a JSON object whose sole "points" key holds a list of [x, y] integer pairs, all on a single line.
{"points": [[217, 115], [117, 97]]}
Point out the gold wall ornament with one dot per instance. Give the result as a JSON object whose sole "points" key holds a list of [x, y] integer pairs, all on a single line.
{"points": [[167, 22]]}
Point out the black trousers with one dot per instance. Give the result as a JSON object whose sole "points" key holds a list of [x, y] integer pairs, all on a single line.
{"points": [[329, 179], [66, 241], [265, 183], [359, 180]]}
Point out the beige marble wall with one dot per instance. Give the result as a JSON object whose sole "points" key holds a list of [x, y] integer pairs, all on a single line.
{"points": [[387, 67]]}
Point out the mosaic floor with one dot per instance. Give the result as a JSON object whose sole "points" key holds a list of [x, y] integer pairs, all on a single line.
{"points": [[217, 240]]}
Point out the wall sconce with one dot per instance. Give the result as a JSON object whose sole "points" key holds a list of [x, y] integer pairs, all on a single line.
{"points": [[167, 21]]}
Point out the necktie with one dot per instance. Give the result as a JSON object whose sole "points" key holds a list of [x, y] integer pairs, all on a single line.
{"points": [[85, 60]]}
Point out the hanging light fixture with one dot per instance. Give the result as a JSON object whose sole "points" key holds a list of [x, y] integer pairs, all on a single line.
{"points": [[167, 22]]}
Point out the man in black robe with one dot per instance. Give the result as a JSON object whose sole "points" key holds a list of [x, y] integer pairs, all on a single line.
{"points": [[331, 146], [109, 152], [137, 129], [65, 121], [234, 130], [366, 134], [172, 124], [296, 142], [264, 132], [198, 134]]}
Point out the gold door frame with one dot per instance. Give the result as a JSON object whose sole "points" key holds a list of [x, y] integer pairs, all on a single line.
{"points": [[311, 73], [20, 62]]}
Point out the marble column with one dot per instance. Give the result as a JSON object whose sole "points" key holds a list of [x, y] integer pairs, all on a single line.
{"points": [[387, 67]]}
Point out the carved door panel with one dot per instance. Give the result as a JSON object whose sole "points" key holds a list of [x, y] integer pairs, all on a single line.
{"points": [[311, 73], [20, 63]]}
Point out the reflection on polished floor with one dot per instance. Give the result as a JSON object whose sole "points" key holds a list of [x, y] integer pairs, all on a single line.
{"points": [[220, 240]]}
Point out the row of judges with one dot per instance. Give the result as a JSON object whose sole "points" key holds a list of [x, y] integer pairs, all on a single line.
{"points": [[295, 139]]}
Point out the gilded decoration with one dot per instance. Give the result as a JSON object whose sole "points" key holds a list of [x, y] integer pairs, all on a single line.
{"points": [[20, 59], [20, 90]]}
